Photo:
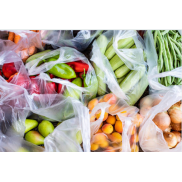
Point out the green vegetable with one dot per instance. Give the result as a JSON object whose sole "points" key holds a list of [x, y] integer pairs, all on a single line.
{"points": [[119, 80], [62, 70], [116, 62], [71, 92], [102, 44], [123, 43], [131, 79], [37, 55], [30, 124], [121, 71], [138, 90]]}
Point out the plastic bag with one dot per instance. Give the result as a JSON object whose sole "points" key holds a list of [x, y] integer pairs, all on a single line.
{"points": [[15, 71], [13, 107], [26, 46], [153, 74], [66, 55], [114, 125], [150, 135], [61, 38], [74, 128], [15, 143], [132, 58]]}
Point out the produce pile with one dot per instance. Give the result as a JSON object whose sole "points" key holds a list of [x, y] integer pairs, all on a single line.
{"points": [[90, 90]]}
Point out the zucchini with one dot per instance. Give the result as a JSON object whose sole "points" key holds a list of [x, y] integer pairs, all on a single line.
{"points": [[102, 44], [131, 79], [138, 90], [119, 80], [121, 71], [116, 62], [123, 43]]}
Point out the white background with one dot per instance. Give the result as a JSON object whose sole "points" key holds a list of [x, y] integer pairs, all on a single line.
{"points": [[86, 167]]}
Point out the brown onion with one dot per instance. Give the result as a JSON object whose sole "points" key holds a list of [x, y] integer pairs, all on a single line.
{"points": [[168, 129], [156, 101], [144, 110], [162, 120], [178, 135], [171, 139], [175, 112], [176, 126], [146, 101]]}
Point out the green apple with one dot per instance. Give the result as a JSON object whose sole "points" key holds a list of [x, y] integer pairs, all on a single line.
{"points": [[45, 128], [34, 137], [30, 124]]}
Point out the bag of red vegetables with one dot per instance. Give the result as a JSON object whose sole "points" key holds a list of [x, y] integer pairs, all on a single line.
{"points": [[13, 70], [60, 38], [114, 125], [68, 72], [24, 42], [162, 126]]}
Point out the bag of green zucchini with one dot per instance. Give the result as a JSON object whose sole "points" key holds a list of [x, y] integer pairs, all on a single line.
{"points": [[117, 57], [69, 70], [164, 58]]}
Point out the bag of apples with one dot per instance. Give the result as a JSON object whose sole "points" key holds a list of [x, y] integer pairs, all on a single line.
{"points": [[24, 42], [162, 126], [114, 125], [13, 70]]}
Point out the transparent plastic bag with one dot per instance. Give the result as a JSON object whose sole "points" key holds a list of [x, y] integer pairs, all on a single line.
{"points": [[66, 55], [61, 38], [26, 46], [74, 118], [14, 107], [153, 74], [132, 58], [15, 143], [15, 69], [113, 124], [151, 137]]}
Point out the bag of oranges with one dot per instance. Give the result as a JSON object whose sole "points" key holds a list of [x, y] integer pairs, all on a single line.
{"points": [[114, 125]]}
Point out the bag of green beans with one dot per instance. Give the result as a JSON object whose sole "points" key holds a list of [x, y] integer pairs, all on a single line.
{"points": [[164, 58]]}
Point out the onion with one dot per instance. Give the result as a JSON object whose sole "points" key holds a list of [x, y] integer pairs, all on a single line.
{"points": [[178, 136], [156, 101], [176, 126], [175, 112], [162, 120], [171, 139], [144, 110], [146, 101], [168, 129]]}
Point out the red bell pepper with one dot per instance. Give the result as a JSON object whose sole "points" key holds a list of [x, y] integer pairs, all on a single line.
{"points": [[78, 66], [51, 75], [82, 75], [34, 89], [59, 88], [0, 73], [9, 69], [51, 87], [21, 81]]}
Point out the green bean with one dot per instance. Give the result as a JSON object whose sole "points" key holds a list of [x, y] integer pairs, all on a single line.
{"points": [[179, 39], [172, 32], [175, 36], [165, 32], [155, 38], [160, 59], [179, 56], [172, 51], [177, 43]]}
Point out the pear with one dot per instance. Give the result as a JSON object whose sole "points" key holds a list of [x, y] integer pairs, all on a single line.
{"points": [[79, 137], [45, 128], [30, 124], [34, 137]]}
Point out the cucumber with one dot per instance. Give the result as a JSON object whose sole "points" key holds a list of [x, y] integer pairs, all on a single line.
{"points": [[123, 43], [110, 43], [116, 62], [119, 80], [102, 43], [121, 71], [131, 79], [138, 90]]}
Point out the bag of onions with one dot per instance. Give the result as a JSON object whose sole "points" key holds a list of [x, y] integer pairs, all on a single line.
{"points": [[161, 130], [114, 125]]}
